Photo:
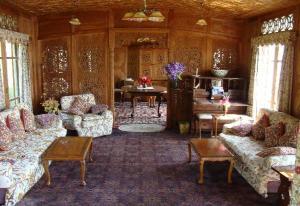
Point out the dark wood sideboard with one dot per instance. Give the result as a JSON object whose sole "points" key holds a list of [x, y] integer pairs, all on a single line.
{"points": [[193, 96]]}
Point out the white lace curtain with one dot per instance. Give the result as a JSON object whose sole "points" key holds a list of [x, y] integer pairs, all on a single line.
{"points": [[23, 64], [262, 66]]}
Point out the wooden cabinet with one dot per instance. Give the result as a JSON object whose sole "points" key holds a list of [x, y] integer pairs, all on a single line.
{"points": [[194, 96], [149, 62]]}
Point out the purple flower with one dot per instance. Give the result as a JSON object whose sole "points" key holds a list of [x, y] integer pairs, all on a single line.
{"points": [[174, 70]]}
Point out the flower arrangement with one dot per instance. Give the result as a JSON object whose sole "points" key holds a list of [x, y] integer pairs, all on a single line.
{"points": [[174, 70], [225, 102], [144, 81], [51, 106]]}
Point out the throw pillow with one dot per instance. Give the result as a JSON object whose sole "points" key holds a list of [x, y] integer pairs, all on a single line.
{"points": [[258, 129], [289, 139], [273, 134], [28, 120], [46, 120], [6, 137], [99, 108], [276, 151], [241, 129], [79, 106], [15, 125]]}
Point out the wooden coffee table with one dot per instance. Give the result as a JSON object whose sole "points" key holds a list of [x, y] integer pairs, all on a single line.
{"points": [[68, 149], [211, 150]]}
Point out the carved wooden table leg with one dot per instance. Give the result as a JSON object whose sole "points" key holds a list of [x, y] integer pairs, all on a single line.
{"points": [[201, 164], [190, 152], [91, 153], [229, 175], [82, 172], [132, 104], [47, 173], [159, 103]]}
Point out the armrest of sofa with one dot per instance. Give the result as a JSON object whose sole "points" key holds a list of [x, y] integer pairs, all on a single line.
{"points": [[70, 121], [5, 173], [280, 160], [227, 127]]}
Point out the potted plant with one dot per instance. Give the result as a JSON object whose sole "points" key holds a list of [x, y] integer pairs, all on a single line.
{"points": [[174, 71], [51, 106], [144, 81]]}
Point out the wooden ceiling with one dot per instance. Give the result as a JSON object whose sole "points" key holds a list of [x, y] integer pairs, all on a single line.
{"points": [[228, 8]]}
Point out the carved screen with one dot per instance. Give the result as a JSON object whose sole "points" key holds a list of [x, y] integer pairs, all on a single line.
{"points": [[55, 67], [92, 75], [225, 54]]}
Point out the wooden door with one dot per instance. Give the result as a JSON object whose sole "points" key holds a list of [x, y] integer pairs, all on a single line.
{"points": [[56, 72]]}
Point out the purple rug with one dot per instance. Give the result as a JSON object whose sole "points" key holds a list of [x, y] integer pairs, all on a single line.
{"points": [[142, 169]]}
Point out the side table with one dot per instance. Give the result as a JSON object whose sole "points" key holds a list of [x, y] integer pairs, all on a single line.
{"points": [[226, 119], [286, 177]]}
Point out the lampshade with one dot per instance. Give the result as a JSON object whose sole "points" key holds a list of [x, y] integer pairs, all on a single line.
{"points": [[128, 16], [74, 21], [201, 22], [156, 16], [139, 16]]}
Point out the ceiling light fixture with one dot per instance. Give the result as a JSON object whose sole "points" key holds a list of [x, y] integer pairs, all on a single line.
{"points": [[205, 12], [201, 22], [144, 15], [74, 20]]}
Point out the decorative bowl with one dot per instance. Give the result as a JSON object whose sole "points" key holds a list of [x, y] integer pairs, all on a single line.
{"points": [[219, 72]]}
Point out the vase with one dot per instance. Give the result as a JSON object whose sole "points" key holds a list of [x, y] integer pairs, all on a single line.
{"points": [[144, 85], [175, 84], [225, 108]]}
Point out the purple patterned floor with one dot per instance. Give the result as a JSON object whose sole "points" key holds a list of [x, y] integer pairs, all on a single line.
{"points": [[143, 114], [142, 169]]}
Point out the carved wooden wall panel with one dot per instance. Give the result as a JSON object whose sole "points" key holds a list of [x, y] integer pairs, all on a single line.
{"points": [[189, 49], [91, 65], [225, 55], [56, 68], [120, 64]]}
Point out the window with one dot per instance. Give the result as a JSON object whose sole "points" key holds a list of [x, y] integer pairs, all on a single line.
{"points": [[267, 77], [12, 72], [285, 23]]}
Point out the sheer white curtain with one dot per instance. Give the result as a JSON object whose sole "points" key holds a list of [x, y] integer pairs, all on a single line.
{"points": [[2, 98], [267, 77]]}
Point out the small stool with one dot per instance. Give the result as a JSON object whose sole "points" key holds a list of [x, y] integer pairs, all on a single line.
{"points": [[204, 121]]}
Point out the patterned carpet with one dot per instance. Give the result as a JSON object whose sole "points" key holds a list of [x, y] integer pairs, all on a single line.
{"points": [[142, 169], [143, 114]]}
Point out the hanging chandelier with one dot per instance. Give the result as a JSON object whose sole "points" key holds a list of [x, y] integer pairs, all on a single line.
{"points": [[74, 20], [144, 15], [205, 12]]}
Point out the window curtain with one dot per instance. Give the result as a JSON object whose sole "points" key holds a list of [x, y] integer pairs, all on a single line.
{"points": [[286, 39], [2, 99], [23, 63], [24, 75]]}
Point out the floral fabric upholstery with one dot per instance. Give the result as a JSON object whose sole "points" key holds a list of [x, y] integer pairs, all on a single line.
{"points": [[257, 170], [22, 162], [258, 129], [27, 118], [276, 151], [99, 108], [273, 134], [15, 125], [79, 106], [47, 120], [295, 191], [90, 124], [6, 136]]}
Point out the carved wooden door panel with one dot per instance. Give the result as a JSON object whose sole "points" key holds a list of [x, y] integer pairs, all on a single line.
{"points": [[91, 65], [160, 59], [146, 62], [56, 69]]}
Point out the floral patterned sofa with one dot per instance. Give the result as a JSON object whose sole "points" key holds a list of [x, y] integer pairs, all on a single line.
{"points": [[94, 125], [255, 169], [21, 164]]}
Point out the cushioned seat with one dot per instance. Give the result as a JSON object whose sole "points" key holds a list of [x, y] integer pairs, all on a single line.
{"points": [[89, 117]]}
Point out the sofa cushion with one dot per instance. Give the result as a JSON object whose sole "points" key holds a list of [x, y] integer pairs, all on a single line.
{"points": [[88, 117], [258, 129], [289, 139], [67, 101], [273, 134], [242, 129], [98, 108], [276, 151], [28, 120], [79, 106], [15, 125], [46, 120], [6, 136]]}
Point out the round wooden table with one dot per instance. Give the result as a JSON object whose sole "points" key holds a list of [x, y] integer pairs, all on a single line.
{"points": [[156, 91]]}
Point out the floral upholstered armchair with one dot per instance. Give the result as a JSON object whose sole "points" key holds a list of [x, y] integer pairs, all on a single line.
{"points": [[98, 123]]}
